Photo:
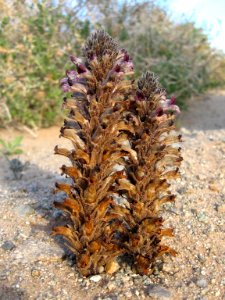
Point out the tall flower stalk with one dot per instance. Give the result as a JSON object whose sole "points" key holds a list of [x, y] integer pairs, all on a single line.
{"points": [[121, 161], [155, 161]]}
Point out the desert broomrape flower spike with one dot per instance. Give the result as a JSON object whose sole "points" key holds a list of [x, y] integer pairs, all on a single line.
{"points": [[95, 125], [121, 160], [146, 186]]}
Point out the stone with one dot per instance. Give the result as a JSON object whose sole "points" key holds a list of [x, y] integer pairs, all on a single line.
{"points": [[96, 278], [158, 292], [3, 275], [185, 131], [128, 294], [35, 273], [202, 283], [221, 208], [111, 286], [112, 267], [101, 269], [24, 210], [217, 294], [201, 216], [8, 246], [214, 187]]}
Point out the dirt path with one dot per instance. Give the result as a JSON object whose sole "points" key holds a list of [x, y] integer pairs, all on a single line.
{"points": [[33, 265]]}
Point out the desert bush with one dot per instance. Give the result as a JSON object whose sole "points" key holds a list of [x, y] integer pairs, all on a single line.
{"points": [[35, 40]]}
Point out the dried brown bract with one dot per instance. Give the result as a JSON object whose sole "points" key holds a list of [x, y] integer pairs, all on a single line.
{"points": [[121, 161]]}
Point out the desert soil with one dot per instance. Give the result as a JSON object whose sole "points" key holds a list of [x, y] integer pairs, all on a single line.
{"points": [[34, 265]]}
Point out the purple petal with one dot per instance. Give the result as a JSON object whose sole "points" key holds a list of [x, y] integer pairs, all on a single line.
{"points": [[172, 108], [159, 111], [72, 75], [129, 66], [81, 69], [172, 100], [117, 68], [139, 96], [165, 103], [65, 88], [126, 57], [75, 60], [92, 56], [64, 80]]}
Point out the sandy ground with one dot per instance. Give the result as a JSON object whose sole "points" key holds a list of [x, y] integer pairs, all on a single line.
{"points": [[33, 265]]}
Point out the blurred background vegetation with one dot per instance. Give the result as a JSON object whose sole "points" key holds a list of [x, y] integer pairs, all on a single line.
{"points": [[36, 38]]}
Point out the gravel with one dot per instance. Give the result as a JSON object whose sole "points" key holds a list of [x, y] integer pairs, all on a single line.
{"points": [[34, 265], [202, 283], [8, 245], [158, 292]]}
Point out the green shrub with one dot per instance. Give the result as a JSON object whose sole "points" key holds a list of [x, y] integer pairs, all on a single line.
{"points": [[33, 57]]}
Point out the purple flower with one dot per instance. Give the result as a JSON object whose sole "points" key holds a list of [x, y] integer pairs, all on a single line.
{"points": [[72, 75], [126, 56], [172, 108], [92, 56], [65, 87], [81, 68], [75, 60], [159, 112], [117, 68], [168, 106], [128, 66], [172, 100], [68, 81], [139, 96], [78, 63], [124, 64]]}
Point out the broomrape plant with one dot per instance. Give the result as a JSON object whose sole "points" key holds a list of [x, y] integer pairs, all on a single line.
{"points": [[124, 154]]}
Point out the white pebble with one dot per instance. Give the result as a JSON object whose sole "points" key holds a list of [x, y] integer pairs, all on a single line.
{"points": [[95, 278]]}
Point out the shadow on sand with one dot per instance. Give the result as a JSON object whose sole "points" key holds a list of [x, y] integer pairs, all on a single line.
{"points": [[37, 186]]}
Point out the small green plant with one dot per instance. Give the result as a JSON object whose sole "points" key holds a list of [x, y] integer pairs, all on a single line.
{"points": [[11, 147]]}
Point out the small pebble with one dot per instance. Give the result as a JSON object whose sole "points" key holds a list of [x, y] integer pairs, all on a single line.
{"points": [[128, 294], [202, 283], [111, 286], [95, 278], [221, 208], [214, 187], [3, 276], [8, 246], [158, 292], [35, 273]]}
